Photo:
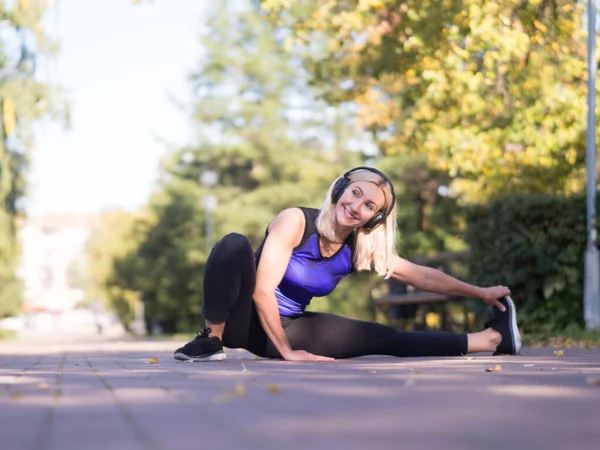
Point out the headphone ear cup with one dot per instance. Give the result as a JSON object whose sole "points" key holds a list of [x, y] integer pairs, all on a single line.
{"points": [[375, 220], [339, 188]]}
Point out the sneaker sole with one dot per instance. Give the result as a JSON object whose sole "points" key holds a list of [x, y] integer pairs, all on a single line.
{"points": [[220, 356], [514, 330]]}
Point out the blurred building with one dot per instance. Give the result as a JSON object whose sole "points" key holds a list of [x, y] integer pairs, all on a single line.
{"points": [[52, 252]]}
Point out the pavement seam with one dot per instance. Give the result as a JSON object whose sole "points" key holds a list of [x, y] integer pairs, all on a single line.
{"points": [[143, 436], [244, 435], [44, 435]]}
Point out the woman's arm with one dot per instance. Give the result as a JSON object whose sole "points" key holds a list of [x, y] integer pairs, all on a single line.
{"points": [[285, 233], [433, 280]]}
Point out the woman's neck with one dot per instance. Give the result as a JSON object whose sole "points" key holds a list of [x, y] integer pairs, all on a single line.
{"points": [[340, 235]]}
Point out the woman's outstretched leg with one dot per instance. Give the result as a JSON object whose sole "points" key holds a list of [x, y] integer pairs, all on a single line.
{"points": [[228, 309], [339, 337]]}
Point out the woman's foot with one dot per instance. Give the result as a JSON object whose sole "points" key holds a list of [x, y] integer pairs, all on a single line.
{"points": [[505, 323], [203, 348]]}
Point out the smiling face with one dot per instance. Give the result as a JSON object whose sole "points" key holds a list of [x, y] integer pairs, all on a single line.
{"points": [[359, 203]]}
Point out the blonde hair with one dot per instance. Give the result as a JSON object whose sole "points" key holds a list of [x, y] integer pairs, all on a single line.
{"points": [[373, 249]]}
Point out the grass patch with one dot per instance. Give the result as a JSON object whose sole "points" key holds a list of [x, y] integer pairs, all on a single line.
{"points": [[168, 337], [570, 338], [6, 335]]}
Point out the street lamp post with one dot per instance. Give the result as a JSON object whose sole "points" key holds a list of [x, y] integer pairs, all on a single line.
{"points": [[208, 179], [591, 296]]}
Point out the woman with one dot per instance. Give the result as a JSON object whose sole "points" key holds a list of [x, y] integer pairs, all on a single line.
{"points": [[257, 301]]}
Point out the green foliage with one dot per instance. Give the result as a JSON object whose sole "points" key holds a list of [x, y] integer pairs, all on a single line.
{"points": [[535, 245], [165, 265], [23, 99], [111, 239], [10, 291], [491, 92], [262, 133]]}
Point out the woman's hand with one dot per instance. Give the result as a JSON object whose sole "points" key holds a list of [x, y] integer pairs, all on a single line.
{"points": [[491, 296], [301, 355]]}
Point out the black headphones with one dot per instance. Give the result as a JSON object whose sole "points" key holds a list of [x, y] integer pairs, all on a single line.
{"points": [[342, 183]]}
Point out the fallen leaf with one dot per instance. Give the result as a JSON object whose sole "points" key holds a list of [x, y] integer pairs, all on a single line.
{"points": [[240, 389], [558, 353], [16, 395], [594, 381], [244, 369], [273, 388], [468, 357], [154, 360], [528, 365], [496, 368], [43, 387]]}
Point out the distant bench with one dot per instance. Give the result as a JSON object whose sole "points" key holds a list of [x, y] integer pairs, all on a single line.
{"points": [[404, 302]]}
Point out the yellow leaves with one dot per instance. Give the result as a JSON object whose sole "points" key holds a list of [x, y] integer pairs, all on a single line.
{"points": [[558, 353], [365, 5], [496, 368], [540, 26], [376, 110], [16, 395], [240, 390], [413, 15], [9, 111], [273, 388], [432, 320], [276, 4], [288, 43], [154, 361]]}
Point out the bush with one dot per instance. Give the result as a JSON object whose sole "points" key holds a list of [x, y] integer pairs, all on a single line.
{"points": [[535, 244]]}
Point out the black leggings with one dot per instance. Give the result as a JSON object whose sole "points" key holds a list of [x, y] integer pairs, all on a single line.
{"points": [[229, 281]]}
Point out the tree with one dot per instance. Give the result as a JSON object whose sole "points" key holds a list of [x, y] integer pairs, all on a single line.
{"points": [[261, 131], [23, 99], [111, 239], [491, 92]]}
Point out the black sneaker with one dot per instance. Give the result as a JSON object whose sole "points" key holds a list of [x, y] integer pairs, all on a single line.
{"points": [[202, 348], [505, 323]]}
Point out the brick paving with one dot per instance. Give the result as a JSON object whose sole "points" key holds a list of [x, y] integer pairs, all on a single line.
{"points": [[112, 395]]}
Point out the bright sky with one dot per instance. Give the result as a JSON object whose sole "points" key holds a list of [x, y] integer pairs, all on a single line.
{"points": [[120, 63]]}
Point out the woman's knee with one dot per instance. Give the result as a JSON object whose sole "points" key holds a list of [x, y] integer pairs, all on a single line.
{"points": [[234, 243], [235, 240]]}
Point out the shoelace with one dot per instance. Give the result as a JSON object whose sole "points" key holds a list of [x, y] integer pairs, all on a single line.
{"points": [[205, 333]]}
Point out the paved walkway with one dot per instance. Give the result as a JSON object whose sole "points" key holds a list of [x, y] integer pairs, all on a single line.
{"points": [[129, 394]]}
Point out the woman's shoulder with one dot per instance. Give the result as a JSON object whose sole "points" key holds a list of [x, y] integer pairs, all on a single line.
{"points": [[297, 220], [298, 215]]}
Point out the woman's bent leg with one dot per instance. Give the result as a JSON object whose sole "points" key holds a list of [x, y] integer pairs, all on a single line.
{"points": [[339, 337], [229, 280]]}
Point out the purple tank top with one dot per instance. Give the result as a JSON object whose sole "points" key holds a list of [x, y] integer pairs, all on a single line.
{"points": [[309, 274]]}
